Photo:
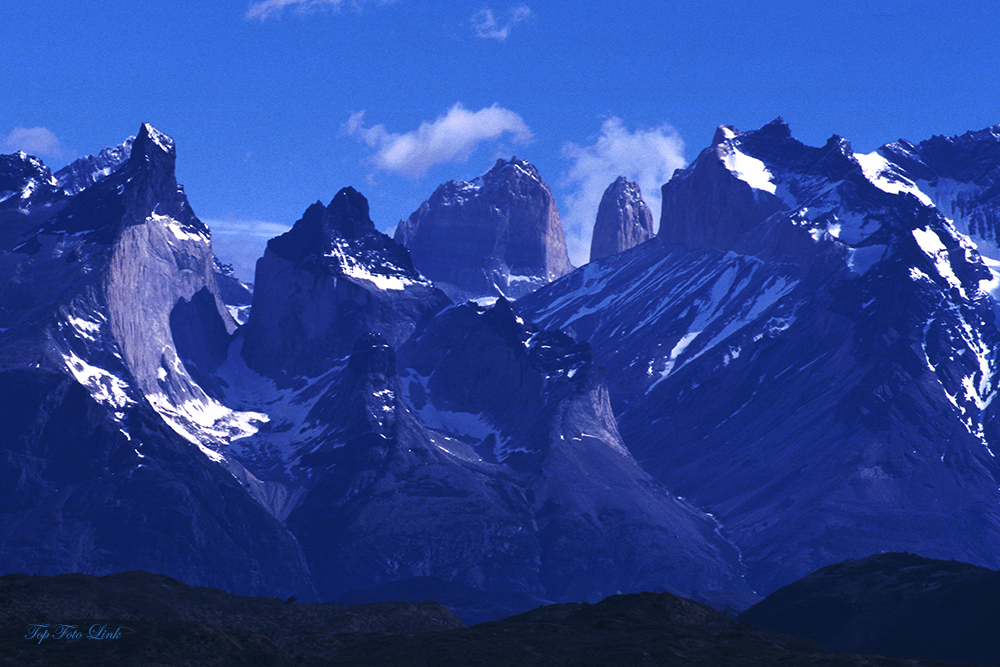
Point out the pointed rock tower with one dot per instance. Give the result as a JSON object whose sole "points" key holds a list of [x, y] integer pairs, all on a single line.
{"points": [[623, 220]]}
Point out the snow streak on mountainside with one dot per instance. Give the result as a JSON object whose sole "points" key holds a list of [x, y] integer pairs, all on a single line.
{"points": [[109, 320], [810, 354], [297, 450]]}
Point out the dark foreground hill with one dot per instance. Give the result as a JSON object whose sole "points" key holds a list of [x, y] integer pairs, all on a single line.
{"points": [[893, 604], [145, 619], [636, 629], [161, 621]]}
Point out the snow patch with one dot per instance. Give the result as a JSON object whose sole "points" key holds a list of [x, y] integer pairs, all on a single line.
{"points": [[883, 175], [105, 387], [352, 268], [749, 169], [205, 420], [165, 143], [933, 247], [177, 229]]}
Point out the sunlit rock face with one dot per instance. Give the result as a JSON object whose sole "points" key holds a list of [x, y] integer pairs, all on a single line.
{"points": [[623, 220], [110, 324], [499, 234]]}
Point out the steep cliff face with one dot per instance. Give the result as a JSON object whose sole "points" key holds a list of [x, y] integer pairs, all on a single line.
{"points": [[960, 174], [329, 280], [499, 234], [533, 402], [818, 335], [623, 220], [110, 319]]}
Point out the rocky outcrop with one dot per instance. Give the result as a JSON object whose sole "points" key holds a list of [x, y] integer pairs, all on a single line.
{"points": [[329, 280], [498, 234], [623, 220]]}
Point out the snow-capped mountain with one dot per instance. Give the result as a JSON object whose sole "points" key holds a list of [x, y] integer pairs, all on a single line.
{"points": [[499, 234], [807, 350], [330, 279], [109, 318], [623, 220], [358, 430], [28, 193], [84, 172], [492, 447]]}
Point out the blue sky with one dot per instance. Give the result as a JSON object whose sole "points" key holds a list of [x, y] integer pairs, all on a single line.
{"points": [[278, 103]]}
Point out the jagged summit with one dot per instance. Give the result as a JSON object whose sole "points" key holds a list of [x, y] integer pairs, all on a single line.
{"points": [[348, 279], [341, 239], [766, 194], [499, 234], [112, 326], [84, 172], [349, 214], [150, 135], [623, 220], [816, 328]]}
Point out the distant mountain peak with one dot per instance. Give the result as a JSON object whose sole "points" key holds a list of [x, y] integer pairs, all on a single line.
{"points": [[623, 220], [497, 234], [152, 147], [85, 171], [349, 214]]}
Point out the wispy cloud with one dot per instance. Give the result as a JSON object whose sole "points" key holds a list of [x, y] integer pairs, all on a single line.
{"points": [[452, 137], [487, 26], [645, 156], [242, 242], [267, 9], [38, 141]]}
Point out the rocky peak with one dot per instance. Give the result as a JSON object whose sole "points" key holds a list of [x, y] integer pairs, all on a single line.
{"points": [[24, 179], [330, 279], [623, 220], [512, 171], [341, 239], [497, 234], [764, 193], [152, 147], [84, 172], [349, 215]]}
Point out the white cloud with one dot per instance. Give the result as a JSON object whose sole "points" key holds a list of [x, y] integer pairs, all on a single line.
{"points": [[645, 156], [266, 9], [38, 141], [453, 137], [486, 25]]}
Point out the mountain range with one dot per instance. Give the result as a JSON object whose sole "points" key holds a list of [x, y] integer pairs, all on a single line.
{"points": [[798, 368]]}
